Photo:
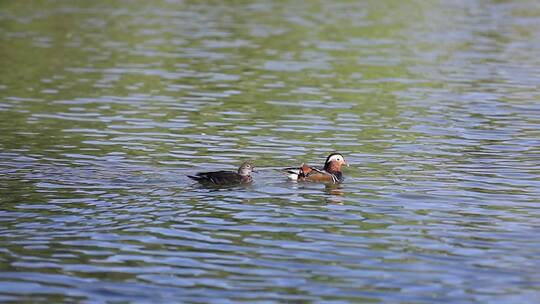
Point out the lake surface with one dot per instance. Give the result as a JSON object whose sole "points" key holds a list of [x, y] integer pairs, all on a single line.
{"points": [[106, 106]]}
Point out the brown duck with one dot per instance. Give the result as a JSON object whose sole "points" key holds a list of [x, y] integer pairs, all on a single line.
{"points": [[221, 178]]}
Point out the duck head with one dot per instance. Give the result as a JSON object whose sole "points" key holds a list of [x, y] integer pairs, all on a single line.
{"points": [[245, 169], [334, 162]]}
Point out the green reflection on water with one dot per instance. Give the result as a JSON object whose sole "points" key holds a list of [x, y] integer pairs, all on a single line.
{"points": [[48, 50], [175, 85]]}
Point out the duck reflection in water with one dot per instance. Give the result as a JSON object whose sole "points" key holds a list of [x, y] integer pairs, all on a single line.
{"points": [[335, 193]]}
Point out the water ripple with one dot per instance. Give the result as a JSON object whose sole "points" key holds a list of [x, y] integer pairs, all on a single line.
{"points": [[104, 114]]}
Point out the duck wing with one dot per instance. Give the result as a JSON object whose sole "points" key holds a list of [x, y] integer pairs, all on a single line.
{"points": [[218, 177], [298, 173], [321, 175]]}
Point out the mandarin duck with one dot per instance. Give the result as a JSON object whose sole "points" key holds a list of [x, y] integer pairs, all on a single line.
{"points": [[331, 173]]}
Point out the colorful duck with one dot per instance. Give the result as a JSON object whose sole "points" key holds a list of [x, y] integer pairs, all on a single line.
{"points": [[330, 174]]}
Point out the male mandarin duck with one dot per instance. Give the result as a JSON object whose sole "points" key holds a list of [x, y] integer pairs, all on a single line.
{"points": [[330, 174], [221, 178]]}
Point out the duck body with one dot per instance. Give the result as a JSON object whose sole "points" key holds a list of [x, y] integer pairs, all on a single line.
{"points": [[223, 178], [331, 173]]}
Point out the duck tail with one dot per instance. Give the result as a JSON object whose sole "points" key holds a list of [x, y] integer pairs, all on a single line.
{"points": [[197, 178]]}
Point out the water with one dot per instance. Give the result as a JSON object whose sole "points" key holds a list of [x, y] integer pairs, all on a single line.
{"points": [[106, 106]]}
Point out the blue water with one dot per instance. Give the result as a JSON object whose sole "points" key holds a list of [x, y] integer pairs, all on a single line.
{"points": [[106, 107]]}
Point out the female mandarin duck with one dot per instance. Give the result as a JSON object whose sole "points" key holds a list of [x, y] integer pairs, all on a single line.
{"points": [[221, 178], [330, 174]]}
